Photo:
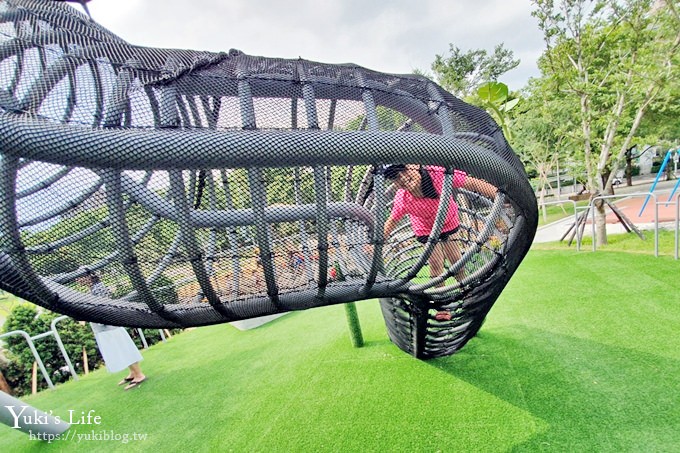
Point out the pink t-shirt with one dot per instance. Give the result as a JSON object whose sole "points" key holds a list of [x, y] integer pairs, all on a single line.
{"points": [[423, 211]]}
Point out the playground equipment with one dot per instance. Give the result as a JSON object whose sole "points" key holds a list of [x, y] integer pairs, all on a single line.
{"points": [[677, 183], [212, 187], [662, 168]]}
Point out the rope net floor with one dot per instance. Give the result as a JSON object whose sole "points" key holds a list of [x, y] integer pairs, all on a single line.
{"points": [[203, 187]]}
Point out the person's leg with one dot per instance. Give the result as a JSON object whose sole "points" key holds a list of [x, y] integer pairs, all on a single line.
{"points": [[436, 262], [452, 255], [126, 380], [136, 372]]}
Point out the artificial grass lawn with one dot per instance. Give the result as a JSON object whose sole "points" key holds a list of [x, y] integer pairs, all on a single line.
{"points": [[580, 353], [628, 242]]}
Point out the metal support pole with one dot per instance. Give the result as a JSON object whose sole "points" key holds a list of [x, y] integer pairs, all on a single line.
{"points": [[656, 215], [143, 338], [677, 223], [591, 211], [656, 228], [36, 356], [57, 337]]}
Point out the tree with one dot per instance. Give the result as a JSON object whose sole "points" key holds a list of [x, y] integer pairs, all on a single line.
{"points": [[660, 124], [461, 73], [543, 133], [612, 61]]}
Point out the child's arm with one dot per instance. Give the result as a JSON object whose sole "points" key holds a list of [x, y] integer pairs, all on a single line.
{"points": [[389, 226], [480, 186]]}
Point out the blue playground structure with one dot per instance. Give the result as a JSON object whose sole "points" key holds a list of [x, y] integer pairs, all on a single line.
{"points": [[662, 168]]}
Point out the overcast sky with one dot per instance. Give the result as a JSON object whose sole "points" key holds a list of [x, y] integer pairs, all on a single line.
{"points": [[394, 36]]}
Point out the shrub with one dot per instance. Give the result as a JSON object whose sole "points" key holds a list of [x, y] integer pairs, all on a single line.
{"points": [[73, 335]]}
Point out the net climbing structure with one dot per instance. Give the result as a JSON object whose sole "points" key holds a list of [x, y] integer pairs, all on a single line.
{"points": [[211, 187]]}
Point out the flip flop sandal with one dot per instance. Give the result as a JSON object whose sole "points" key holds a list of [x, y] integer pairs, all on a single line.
{"points": [[134, 384], [126, 380]]}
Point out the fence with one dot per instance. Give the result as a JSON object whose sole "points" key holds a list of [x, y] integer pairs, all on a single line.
{"points": [[656, 204]]}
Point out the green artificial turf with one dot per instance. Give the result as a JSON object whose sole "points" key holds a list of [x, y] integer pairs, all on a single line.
{"points": [[628, 242], [580, 353]]}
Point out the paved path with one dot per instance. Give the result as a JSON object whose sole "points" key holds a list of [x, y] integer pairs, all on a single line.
{"points": [[632, 208]]}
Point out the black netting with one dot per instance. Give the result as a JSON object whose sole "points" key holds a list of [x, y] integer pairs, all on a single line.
{"points": [[210, 187]]}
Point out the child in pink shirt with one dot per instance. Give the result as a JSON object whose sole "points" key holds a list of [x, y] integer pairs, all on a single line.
{"points": [[423, 210], [418, 193]]}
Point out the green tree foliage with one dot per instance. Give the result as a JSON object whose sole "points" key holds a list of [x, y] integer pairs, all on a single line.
{"points": [[97, 245], [75, 336], [461, 73], [660, 124], [612, 62], [388, 120], [163, 289], [65, 259], [543, 134]]}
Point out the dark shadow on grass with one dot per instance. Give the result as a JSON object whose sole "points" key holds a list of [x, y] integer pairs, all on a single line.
{"points": [[594, 397]]}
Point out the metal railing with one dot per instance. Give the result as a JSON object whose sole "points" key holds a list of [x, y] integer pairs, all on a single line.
{"points": [[677, 223], [655, 196], [29, 339], [57, 337]]}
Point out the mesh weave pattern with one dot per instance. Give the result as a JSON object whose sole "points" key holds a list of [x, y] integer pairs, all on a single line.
{"points": [[210, 187]]}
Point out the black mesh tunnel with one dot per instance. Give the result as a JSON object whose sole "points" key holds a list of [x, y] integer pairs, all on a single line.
{"points": [[211, 187]]}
